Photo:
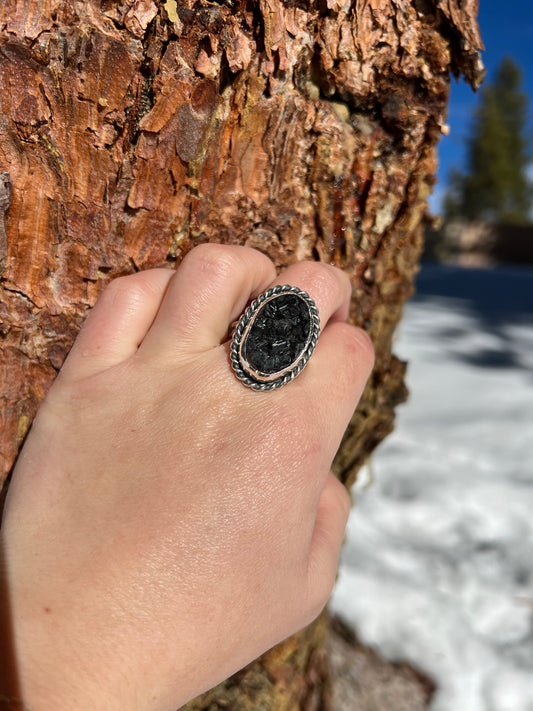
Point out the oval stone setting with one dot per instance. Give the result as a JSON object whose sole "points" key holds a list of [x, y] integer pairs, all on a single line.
{"points": [[275, 337], [278, 334]]}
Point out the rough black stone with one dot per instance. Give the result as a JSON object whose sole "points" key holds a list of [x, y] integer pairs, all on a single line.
{"points": [[278, 334]]}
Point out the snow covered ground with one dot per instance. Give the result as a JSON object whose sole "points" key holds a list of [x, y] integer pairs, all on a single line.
{"points": [[438, 566]]}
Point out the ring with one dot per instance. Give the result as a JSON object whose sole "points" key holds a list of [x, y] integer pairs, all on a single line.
{"points": [[275, 338]]}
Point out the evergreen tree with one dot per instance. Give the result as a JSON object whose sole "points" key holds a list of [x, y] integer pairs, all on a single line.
{"points": [[496, 186]]}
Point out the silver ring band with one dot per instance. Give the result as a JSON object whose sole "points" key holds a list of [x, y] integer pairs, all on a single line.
{"points": [[275, 338]]}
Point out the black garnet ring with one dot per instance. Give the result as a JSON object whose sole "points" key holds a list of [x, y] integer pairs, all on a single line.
{"points": [[275, 338]]}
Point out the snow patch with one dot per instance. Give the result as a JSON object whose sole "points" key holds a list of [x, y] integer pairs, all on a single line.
{"points": [[438, 566]]}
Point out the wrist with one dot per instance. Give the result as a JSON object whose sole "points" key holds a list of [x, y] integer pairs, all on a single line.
{"points": [[32, 676]]}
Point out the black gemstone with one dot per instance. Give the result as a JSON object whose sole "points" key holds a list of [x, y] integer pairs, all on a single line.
{"points": [[278, 334]]}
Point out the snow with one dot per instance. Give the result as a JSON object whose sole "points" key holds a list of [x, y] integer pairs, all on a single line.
{"points": [[438, 565]]}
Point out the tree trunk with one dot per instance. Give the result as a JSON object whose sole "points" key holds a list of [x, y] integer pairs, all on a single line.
{"points": [[135, 129]]}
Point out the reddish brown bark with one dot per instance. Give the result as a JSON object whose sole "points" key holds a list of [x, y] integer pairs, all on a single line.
{"points": [[133, 130]]}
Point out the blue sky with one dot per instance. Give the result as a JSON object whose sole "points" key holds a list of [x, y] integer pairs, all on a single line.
{"points": [[506, 29]]}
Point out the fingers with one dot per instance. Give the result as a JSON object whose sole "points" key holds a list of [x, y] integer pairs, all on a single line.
{"points": [[334, 379], [214, 284], [118, 322], [328, 535], [210, 290]]}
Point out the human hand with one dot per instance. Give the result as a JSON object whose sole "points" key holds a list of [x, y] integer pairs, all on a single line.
{"points": [[166, 525]]}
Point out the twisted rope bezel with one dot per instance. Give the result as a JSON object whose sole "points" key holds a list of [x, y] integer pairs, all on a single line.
{"points": [[253, 379]]}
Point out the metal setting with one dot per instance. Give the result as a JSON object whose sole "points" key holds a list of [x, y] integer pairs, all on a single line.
{"points": [[256, 318]]}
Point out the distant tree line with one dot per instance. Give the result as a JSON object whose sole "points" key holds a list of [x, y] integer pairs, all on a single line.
{"points": [[496, 186]]}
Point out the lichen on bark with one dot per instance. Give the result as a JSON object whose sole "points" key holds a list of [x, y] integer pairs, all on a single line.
{"points": [[133, 130]]}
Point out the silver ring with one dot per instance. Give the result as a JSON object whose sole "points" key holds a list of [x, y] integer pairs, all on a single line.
{"points": [[275, 338]]}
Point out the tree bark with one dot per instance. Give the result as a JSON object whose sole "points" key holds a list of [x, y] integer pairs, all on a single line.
{"points": [[135, 129]]}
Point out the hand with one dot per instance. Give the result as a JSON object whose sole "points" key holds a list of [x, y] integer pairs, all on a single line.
{"points": [[166, 525]]}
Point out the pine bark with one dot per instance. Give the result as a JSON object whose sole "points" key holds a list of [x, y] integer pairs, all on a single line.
{"points": [[135, 129]]}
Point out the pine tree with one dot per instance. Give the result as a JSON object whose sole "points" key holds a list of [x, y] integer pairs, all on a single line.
{"points": [[496, 187]]}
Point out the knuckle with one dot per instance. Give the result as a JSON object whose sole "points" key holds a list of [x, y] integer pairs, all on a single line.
{"points": [[357, 346], [219, 262], [325, 278], [119, 285], [124, 284], [341, 499], [214, 261], [205, 252], [121, 291], [127, 292]]}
